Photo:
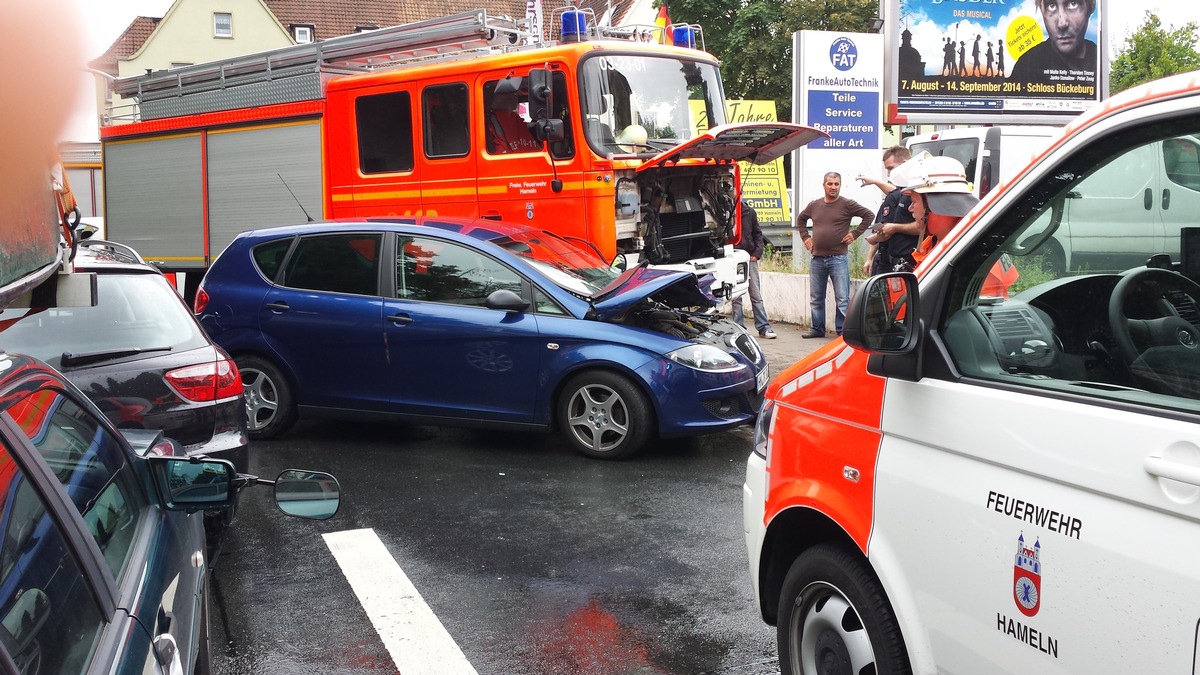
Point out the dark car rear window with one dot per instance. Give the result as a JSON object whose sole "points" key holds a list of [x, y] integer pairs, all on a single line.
{"points": [[135, 311], [269, 256]]}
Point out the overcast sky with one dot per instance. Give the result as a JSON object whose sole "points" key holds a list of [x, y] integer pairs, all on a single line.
{"points": [[104, 20]]}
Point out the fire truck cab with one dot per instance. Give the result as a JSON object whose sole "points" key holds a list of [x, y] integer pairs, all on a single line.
{"points": [[979, 484]]}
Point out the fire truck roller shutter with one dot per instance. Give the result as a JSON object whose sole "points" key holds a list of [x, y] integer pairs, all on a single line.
{"points": [[253, 174], [154, 201]]}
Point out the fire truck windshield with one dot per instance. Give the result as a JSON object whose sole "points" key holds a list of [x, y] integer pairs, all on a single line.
{"points": [[648, 103]]}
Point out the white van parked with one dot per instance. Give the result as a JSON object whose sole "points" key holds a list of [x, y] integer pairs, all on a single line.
{"points": [[1153, 189], [991, 155]]}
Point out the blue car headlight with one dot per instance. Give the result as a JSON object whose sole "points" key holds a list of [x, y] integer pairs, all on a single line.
{"points": [[704, 357]]}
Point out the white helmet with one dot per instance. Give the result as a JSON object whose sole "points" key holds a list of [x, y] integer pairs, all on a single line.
{"points": [[942, 178]]}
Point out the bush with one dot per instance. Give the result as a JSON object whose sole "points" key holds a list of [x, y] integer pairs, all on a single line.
{"points": [[779, 261]]}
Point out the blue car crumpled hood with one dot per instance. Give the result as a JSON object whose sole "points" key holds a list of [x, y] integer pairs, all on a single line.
{"points": [[673, 288]]}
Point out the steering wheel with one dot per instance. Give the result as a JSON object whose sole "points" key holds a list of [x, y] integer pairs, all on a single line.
{"points": [[1164, 352]]}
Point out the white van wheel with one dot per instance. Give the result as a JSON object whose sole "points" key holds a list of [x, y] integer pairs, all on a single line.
{"points": [[835, 619]]}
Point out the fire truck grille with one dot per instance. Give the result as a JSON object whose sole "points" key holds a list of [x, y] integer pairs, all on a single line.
{"points": [[685, 236]]}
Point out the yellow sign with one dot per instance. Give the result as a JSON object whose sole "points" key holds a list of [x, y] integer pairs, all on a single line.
{"points": [[763, 185]]}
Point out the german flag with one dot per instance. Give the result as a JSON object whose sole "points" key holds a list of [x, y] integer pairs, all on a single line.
{"points": [[662, 21]]}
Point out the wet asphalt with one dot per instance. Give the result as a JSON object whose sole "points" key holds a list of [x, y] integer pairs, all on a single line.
{"points": [[535, 559]]}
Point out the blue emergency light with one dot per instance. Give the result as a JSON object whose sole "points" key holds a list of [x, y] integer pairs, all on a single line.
{"points": [[684, 36], [574, 26]]}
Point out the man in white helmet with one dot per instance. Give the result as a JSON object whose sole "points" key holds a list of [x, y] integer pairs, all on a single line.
{"points": [[941, 196]]}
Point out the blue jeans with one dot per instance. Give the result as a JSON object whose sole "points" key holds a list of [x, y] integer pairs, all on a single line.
{"points": [[837, 268], [761, 323]]}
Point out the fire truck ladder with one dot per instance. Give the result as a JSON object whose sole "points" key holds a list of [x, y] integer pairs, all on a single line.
{"points": [[299, 72]]}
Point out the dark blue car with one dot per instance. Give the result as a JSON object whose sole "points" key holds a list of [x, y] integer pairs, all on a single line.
{"points": [[474, 323]]}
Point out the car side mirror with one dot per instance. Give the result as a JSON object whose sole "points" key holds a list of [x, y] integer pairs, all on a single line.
{"points": [[191, 484], [884, 315], [505, 300], [308, 494]]}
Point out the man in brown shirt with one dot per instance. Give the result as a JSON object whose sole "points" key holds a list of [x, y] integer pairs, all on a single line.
{"points": [[828, 243]]}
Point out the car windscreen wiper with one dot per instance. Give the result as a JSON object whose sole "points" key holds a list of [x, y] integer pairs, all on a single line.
{"points": [[69, 360]]}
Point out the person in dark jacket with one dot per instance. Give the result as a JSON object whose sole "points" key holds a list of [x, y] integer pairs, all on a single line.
{"points": [[893, 210], [752, 243]]}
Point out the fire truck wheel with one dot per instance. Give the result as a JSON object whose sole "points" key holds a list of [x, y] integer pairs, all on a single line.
{"points": [[270, 407], [835, 618], [603, 415]]}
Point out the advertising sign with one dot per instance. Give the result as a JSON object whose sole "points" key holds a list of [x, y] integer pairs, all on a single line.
{"points": [[763, 185], [988, 61], [838, 88]]}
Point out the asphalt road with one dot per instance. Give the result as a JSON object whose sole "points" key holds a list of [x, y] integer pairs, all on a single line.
{"points": [[533, 558]]}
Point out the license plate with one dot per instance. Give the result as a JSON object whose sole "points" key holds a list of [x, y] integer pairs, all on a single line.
{"points": [[762, 378]]}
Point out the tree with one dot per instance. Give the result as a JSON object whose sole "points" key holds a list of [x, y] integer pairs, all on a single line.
{"points": [[1153, 52], [753, 39]]}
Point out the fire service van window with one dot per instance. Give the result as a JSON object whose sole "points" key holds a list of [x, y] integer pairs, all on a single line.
{"points": [[445, 115], [385, 132]]}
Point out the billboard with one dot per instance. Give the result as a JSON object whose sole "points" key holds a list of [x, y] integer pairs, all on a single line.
{"points": [[991, 62], [837, 87], [763, 185]]}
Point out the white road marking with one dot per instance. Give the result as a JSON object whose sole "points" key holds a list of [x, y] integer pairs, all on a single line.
{"points": [[409, 629]]}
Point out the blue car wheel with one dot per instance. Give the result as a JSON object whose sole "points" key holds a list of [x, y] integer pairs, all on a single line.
{"points": [[270, 406], [604, 415]]}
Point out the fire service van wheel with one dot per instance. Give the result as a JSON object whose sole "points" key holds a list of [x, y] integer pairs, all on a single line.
{"points": [[270, 408], [834, 618], [604, 415]]}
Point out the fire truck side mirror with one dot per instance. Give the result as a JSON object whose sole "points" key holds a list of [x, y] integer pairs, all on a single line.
{"points": [[544, 127], [548, 131], [541, 95]]}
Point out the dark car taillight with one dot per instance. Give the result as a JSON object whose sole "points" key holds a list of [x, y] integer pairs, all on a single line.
{"points": [[200, 302], [207, 381]]}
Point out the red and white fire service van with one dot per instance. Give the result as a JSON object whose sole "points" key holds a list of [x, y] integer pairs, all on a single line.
{"points": [[979, 484]]}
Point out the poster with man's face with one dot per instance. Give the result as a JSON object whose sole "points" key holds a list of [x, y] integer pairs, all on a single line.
{"points": [[1003, 61]]}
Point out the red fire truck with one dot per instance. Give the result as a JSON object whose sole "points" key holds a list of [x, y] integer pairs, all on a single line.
{"points": [[601, 135]]}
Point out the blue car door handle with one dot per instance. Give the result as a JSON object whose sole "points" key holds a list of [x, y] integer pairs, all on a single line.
{"points": [[278, 306], [400, 318]]}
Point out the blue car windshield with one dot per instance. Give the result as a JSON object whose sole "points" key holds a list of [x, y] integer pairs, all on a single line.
{"points": [[575, 267]]}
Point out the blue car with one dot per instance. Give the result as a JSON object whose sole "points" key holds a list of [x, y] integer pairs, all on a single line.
{"points": [[480, 323]]}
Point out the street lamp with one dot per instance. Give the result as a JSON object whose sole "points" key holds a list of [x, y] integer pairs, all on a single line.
{"points": [[875, 24]]}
